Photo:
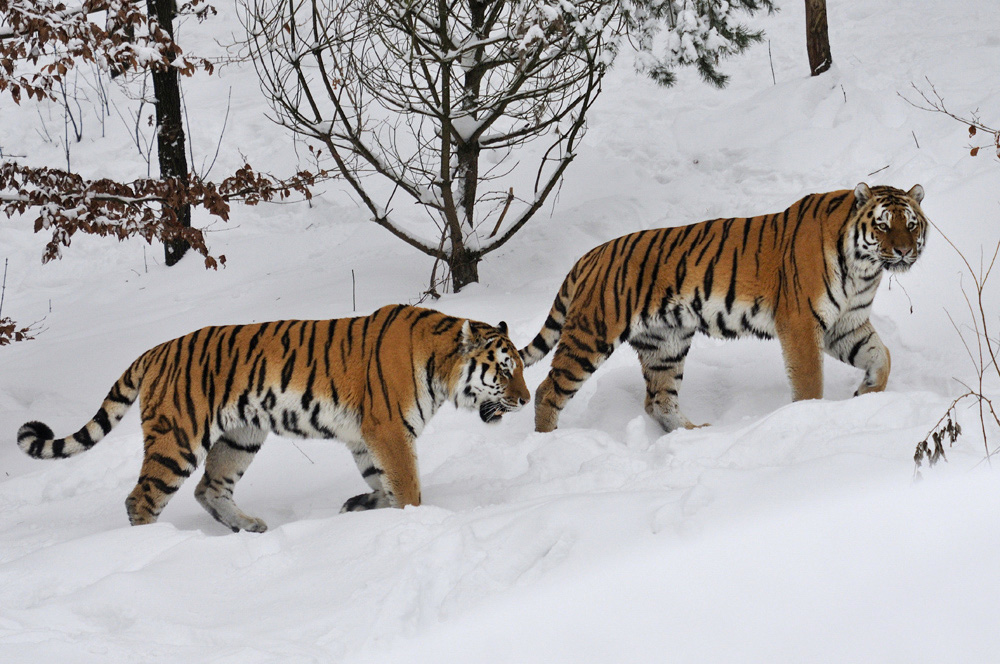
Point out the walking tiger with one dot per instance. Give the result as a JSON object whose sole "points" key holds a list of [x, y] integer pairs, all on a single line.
{"points": [[807, 276], [373, 382]]}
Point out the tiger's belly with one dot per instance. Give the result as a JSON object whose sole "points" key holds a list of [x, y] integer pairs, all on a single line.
{"points": [[293, 416], [718, 318]]}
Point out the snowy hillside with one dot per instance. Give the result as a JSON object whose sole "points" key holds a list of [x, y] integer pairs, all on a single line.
{"points": [[782, 533]]}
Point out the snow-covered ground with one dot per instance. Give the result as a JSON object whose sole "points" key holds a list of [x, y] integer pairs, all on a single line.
{"points": [[782, 533]]}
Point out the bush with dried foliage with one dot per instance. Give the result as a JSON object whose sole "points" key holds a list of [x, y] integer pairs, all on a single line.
{"points": [[42, 40], [983, 351], [41, 43], [65, 203], [982, 348], [10, 332]]}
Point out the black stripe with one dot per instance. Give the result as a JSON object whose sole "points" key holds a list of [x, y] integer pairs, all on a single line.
{"points": [[158, 483], [290, 422], [650, 284], [307, 395], [413, 432], [429, 376], [731, 293], [255, 339], [170, 464], [83, 437], [250, 449], [816, 315], [102, 421], [311, 346], [720, 322], [287, 371], [857, 348], [262, 375], [314, 421], [378, 352], [230, 382]]}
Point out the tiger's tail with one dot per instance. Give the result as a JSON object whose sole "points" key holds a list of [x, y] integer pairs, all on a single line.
{"points": [[551, 331], [37, 440]]}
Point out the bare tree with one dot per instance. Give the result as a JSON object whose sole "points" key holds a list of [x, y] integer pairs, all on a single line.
{"points": [[429, 98], [817, 37]]}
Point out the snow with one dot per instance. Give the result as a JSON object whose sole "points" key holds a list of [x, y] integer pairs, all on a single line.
{"points": [[784, 532]]}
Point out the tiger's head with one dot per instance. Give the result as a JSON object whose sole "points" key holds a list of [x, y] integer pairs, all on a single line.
{"points": [[492, 373], [891, 227]]}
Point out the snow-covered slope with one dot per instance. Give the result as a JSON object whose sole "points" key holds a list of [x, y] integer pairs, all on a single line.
{"points": [[782, 533]]}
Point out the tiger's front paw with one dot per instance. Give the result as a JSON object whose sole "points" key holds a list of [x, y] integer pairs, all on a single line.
{"points": [[865, 387]]}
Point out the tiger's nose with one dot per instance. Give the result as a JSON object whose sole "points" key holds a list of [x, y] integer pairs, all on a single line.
{"points": [[903, 252]]}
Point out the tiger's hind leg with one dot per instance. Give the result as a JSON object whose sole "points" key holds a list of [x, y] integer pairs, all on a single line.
{"points": [[226, 462], [662, 353], [572, 364], [172, 453]]}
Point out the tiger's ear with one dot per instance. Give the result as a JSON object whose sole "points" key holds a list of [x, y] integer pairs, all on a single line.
{"points": [[916, 192], [862, 193], [502, 326], [470, 339]]}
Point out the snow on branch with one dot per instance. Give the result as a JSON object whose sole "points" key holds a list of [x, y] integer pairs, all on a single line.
{"points": [[42, 40], [65, 203]]}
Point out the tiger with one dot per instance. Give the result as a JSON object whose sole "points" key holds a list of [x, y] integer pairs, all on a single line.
{"points": [[372, 382], [807, 275]]}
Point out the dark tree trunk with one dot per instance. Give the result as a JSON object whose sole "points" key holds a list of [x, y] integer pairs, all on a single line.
{"points": [[464, 266], [468, 153], [817, 37], [170, 129]]}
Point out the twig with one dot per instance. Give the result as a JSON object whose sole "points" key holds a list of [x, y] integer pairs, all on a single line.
{"points": [[3, 289], [506, 206], [303, 453], [774, 81]]}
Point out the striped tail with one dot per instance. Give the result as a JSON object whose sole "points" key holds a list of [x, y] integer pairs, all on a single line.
{"points": [[37, 440], [548, 336]]}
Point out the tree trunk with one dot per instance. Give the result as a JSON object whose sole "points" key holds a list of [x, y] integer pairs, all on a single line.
{"points": [[464, 266], [817, 37], [468, 153], [170, 129]]}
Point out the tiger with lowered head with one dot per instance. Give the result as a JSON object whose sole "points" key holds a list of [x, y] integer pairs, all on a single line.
{"points": [[372, 382], [807, 276]]}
